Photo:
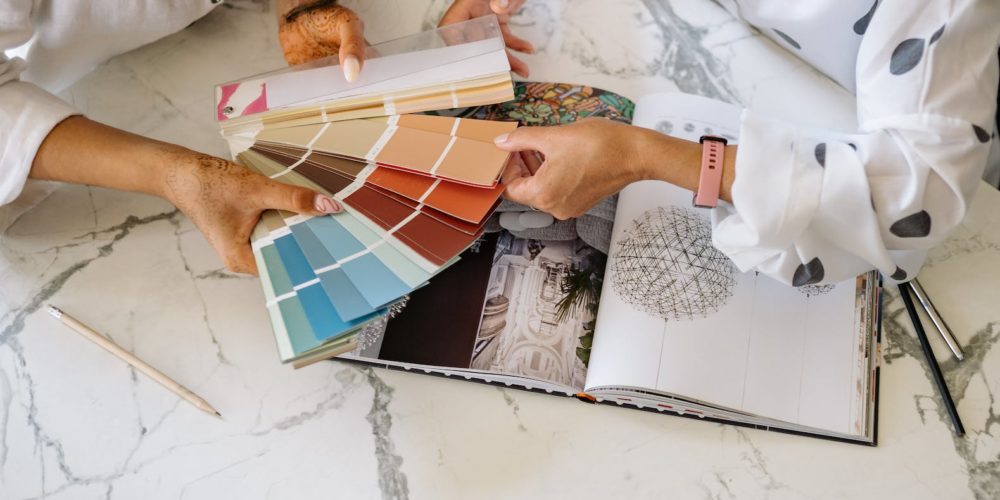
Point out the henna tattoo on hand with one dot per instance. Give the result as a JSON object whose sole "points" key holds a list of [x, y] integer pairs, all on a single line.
{"points": [[217, 196], [314, 34]]}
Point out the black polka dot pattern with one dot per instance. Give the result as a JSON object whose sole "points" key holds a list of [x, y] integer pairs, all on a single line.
{"points": [[937, 35], [915, 225], [820, 153], [789, 40], [809, 273], [899, 275], [861, 26], [906, 56], [981, 134]]}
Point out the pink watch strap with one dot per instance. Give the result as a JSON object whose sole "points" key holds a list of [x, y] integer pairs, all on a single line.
{"points": [[710, 181]]}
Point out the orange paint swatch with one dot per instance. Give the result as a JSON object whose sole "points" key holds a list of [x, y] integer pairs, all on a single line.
{"points": [[454, 149], [469, 203]]}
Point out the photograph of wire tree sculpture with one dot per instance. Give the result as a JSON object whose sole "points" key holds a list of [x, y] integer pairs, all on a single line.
{"points": [[666, 266]]}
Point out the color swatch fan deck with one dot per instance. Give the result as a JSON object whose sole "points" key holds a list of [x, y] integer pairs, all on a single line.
{"points": [[417, 188]]}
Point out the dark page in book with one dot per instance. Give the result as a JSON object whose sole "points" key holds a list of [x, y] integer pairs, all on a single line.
{"points": [[438, 326]]}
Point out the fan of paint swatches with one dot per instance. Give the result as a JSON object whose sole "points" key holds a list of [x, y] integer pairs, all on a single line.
{"points": [[428, 237], [451, 149], [417, 189], [467, 203], [460, 65], [327, 277], [336, 175]]}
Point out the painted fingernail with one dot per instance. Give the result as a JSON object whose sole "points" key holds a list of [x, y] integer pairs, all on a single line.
{"points": [[352, 68], [326, 205], [500, 139]]}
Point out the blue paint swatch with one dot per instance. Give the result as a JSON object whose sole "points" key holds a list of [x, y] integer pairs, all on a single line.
{"points": [[376, 282], [343, 293], [323, 317]]}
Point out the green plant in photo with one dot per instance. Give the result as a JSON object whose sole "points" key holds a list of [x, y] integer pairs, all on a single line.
{"points": [[581, 288]]}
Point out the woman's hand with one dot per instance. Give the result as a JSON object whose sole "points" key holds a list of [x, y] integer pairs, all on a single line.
{"points": [[319, 29], [225, 201], [580, 164], [463, 10]]}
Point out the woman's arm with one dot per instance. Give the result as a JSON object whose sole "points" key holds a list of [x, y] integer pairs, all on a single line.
{"points": [[819, 206], [222, 198], [592, 159]]}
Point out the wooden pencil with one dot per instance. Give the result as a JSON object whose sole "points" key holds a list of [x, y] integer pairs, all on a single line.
{"points": [[140, 365]]}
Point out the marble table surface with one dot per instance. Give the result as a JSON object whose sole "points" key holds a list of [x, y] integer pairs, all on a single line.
{"points": [[75, 423]]}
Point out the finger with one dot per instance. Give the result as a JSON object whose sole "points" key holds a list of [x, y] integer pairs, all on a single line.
{"points": [[525, 139], [352, 46], [455, 14], [515, 169], [295, 199], [505, 6], [531, 160], [518, 66], [515, 42], [522, 190]]}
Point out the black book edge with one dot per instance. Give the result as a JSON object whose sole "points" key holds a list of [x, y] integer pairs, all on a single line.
{"points": [[878, 365]]}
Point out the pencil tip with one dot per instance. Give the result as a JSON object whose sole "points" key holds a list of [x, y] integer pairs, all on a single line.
{"points": [[217, 414]]}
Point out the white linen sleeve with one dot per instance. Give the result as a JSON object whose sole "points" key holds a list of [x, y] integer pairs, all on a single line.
{"points": [[813, 207], [27, 113]]}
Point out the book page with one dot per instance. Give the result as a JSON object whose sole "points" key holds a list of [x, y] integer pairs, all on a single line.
{"points": [[498, 312], [530, 325], [677, 317]]}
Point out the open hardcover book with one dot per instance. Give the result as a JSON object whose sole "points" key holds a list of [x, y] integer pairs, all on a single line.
{"points": [[658, 319], [628, 305]]}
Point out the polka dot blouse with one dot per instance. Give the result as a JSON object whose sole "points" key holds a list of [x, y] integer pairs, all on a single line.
{"points": [[816, 207]]}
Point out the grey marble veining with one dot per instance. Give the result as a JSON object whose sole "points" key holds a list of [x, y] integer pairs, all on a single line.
{"points": [[75, 423], [392, 481]]}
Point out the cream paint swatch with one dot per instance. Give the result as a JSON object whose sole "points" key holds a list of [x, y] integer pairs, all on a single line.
{"points": [[478, 92]]}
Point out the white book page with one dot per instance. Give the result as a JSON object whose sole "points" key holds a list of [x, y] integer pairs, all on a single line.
{"points": [[676, 319]]}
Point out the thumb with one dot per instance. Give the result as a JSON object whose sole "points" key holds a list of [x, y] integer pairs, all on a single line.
{"points": [[523, 138], [352, 46], [296, 199]]}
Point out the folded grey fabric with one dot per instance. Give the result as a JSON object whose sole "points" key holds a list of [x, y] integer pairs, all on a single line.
{"points": [[594, 227]]}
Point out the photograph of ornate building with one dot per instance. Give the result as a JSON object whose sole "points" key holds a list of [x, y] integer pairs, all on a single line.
{"points": [[524, 331]]}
